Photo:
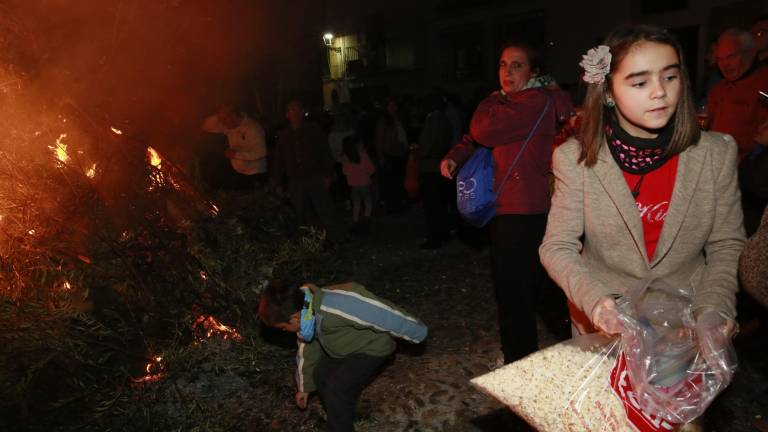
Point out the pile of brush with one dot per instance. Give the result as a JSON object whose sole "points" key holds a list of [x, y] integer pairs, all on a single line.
{"points": [[122, 285]]}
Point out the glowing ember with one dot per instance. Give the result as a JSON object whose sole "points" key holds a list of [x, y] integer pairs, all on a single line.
{"points": [[211, 327], [214, 210], [66, 286], [84, 259], [154, 371], [174, 183], [154, 157], [60, 151], [31, 232], [155, 360], [91, 172], [203, 275], [116, 131]]}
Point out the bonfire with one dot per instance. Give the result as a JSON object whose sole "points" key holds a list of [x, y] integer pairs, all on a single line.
{"points": [[127, 299]]}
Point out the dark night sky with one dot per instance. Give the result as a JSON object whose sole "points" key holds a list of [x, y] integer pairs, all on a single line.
{"points": [[164, 64]]}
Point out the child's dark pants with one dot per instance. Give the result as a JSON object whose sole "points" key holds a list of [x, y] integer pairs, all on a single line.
{"points": [[340, 382]]}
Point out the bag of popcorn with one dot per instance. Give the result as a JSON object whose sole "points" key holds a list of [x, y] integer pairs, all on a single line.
{"points": [[565, 387], [652, 378]]}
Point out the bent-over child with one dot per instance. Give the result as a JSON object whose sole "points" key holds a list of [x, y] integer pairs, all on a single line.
{"points": [[345, 334]]}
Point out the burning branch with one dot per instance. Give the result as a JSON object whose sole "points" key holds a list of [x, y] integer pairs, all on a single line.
{"points": [[155, 371], [207, 327], [60, 150]]}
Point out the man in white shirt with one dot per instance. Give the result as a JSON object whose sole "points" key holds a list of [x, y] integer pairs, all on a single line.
{"points": [[247, 150]]}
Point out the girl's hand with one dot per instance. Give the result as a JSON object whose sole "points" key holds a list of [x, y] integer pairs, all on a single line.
{"points": [[301, 399], [448, 168], [714, 334], [605, 317]]}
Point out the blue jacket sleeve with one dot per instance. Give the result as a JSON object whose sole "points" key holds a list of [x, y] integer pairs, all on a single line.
{"points": [[355, 303]]}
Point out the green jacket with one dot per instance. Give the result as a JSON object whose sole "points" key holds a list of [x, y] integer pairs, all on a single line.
{"points": [[351, 320]]}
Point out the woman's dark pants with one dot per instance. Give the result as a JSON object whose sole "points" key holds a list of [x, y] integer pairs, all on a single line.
{"points": [[517, 277]]}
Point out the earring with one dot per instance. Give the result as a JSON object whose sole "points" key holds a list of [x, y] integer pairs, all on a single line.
{"points": [[610, 103]]}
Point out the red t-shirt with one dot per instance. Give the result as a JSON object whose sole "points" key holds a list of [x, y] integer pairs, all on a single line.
{"points": [[653, 201]]}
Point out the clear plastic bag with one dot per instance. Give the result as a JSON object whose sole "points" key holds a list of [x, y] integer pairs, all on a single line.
{"points": [[676, 365], [651, 378]]}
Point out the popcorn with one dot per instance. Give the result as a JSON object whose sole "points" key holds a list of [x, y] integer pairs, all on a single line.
{"points": [[562, 388]]}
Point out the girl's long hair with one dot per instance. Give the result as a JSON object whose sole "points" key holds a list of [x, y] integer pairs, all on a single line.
{"points": [[620, 41], [350, 148]]}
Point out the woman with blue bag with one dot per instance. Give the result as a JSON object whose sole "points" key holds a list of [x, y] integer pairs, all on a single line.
{"points": [[518, 123]]}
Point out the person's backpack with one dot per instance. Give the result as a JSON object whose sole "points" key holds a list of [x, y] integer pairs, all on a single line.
{"points": [[475, 192]]}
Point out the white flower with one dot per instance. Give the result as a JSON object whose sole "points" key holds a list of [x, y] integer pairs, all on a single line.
{"points": [[596, 63]]}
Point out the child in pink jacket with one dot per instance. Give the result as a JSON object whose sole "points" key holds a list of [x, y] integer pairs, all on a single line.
{"points": [[357, 167]]}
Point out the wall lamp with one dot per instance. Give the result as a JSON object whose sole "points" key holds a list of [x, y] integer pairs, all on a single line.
{"points": [[328, 41]]}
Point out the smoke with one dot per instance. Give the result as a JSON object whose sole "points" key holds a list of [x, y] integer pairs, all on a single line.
{"points": [[153, 69], [106, 80], [147, 62]]}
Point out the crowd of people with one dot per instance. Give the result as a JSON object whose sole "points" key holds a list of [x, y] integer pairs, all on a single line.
{"points": [[645, 186]]}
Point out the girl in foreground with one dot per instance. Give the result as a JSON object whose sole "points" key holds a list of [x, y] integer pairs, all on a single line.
{"points": [[642, 194]]}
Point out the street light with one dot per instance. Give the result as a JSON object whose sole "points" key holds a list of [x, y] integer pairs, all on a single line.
{"points": [[328, 40]]}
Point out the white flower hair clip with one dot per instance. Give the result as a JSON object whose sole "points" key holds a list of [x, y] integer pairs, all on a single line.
{"points": [[596, 63]]}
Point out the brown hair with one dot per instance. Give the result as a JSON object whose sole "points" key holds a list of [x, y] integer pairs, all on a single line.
{"points": [[620, 41], [279, 301]]}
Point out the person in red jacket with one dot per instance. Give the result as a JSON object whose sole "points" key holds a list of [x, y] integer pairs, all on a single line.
{"points": [[502, 122], [735, 107], [734, 103]]}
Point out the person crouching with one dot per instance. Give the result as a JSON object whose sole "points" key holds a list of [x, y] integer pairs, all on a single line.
{"points": [[345, 334]]}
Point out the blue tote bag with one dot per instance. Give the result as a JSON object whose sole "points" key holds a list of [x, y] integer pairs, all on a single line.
{"points": [[475, 191]]}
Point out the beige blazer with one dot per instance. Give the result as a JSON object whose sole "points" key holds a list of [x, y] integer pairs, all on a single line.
{"points": [[594, 243]]}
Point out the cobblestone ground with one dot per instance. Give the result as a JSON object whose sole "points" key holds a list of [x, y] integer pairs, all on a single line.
{"points": [[426, 387]]}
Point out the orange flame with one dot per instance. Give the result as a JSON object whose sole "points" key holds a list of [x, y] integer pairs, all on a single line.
{"points": [[60, 151], [154, 157], [116, 131], [212, 327], [91, 172]]}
